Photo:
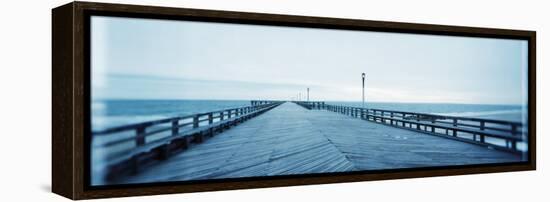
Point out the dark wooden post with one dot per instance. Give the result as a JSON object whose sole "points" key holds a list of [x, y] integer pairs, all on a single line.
{"points": [[175, 127], [482, 138], [210, 118], [433, 122], [455, 123], [228, 113], [513, 143], [482, 125], [196, 121], [514, 129], [417, 120], [140, 136], [221, 115]]}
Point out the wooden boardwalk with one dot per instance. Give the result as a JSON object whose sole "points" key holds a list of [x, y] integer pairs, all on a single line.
{"points": [[290, 139]]}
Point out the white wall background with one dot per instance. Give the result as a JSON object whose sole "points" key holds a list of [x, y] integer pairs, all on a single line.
{"points": [[25, 104]]}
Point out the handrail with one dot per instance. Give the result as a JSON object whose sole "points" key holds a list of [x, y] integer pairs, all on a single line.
{"points": [[166, 120], [174, 139], [468, 129], [195, 120], [310, 104]]}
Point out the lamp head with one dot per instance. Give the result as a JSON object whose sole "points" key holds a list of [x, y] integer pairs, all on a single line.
{"points": [[363, 75]]}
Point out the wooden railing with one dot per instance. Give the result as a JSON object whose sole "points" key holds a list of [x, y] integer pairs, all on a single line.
{"points": [[262, 102], [497, 134], [130, 146], [311, 104]]}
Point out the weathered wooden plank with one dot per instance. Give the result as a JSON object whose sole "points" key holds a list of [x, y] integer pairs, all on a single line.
{"points": [[293, 140]]}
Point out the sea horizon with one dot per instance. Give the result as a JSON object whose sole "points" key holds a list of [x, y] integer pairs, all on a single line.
{"points": [[109, 113], [290, 100]]}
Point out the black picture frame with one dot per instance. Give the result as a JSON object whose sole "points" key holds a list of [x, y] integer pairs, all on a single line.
{"points": [[71, 98]]}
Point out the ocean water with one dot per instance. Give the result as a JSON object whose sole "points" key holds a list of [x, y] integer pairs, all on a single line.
{"points": [[498, 112], [112, 113]]}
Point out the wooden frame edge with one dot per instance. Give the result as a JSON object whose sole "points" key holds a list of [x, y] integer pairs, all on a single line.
{"points": [[68, 98], [63, 147]]}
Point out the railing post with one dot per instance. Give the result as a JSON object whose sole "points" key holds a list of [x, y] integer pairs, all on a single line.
{"points": [[196, 121], [140, 136], [454, 124], [229, 113], [433, 122], [175, 127], [210, 118], [514, 129], [482, 125], [221, 115], [418, 121]]}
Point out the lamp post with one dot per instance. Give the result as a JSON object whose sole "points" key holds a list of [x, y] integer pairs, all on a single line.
{"points": [[363, 103], [308, 94]]}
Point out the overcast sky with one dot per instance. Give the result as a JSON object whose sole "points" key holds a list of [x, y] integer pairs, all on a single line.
{"points": [[163, 59]]}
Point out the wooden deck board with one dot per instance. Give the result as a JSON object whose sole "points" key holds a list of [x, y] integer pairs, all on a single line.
{"points": [[292, 140]]}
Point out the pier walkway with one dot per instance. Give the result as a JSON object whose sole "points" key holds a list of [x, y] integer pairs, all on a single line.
{"points": [[289, 139]]}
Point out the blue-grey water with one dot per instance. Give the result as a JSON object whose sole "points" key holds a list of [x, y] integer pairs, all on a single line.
{"points": [[499, 112], [111, 113]]}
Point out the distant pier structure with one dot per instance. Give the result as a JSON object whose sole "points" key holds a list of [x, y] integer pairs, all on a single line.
{"points": [[263, 102], [272, 137]]}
